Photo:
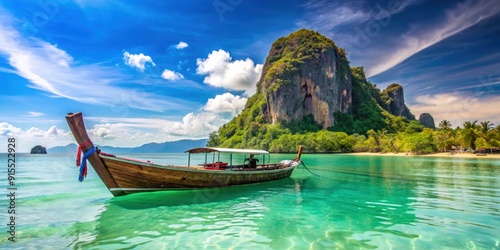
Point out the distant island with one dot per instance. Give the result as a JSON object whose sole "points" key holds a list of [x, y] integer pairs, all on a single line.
{"points": [[38, 149], [149, 148]]}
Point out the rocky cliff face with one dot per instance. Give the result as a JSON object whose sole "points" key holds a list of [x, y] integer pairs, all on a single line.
{"points": [[393, 97], [427, 120], [305, 74], [38, 150]]}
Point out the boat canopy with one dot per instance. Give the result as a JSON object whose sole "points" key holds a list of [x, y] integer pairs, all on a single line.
{"points": [[226, 150]]}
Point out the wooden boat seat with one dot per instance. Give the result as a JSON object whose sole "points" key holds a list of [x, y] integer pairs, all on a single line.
{"points": [[206, 165], [220, 164], [215, 166]]}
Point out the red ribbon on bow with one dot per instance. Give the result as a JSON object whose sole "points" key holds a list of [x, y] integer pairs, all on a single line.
{"points": [[79, 153]]}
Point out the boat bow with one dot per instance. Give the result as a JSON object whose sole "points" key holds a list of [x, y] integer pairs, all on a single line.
{"points": [[77, 126]]}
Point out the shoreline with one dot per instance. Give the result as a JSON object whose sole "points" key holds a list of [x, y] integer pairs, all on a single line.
{"points": [[446, 155]]}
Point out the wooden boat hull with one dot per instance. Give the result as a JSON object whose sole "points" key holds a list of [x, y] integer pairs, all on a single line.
{"points": [[131, 176], [124, 176]]}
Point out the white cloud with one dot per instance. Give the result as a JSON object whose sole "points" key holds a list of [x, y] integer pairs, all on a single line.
{"points": [[171, 75], [129, 132], [221, 71], [34, 136], [216, 112], [50, 69], [326, 16], [106, 132], [181, 45], [137, 60], [9, 130], [196, 125], [458, 107], [226, 102], [462, 17], [54, 131], [35, 114], [125, 134], [331, 18]]}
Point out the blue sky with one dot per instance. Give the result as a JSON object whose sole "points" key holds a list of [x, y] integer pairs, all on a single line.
{"points": [[144, 71]]}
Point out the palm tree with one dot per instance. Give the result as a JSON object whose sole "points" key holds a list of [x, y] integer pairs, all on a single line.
{"points": [[496, 132], [445, 124], [444, 134], [377, 137], [469, 134], [485, 128], [392, 140], [443, 139], [496, 136], [486, 131]]}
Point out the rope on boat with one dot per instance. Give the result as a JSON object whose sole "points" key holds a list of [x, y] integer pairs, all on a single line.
{"points": [[315, 173], [303, 164]]}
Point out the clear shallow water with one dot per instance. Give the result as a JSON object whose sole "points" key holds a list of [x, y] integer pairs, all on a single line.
{"points": [[359, 202]]}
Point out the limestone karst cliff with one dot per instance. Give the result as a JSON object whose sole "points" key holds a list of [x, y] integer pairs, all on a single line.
{"points": [[427, 120], [393, 97], [305, 74]]}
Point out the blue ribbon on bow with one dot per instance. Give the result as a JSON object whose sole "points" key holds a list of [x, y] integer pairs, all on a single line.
{"points": [[83, 166]]}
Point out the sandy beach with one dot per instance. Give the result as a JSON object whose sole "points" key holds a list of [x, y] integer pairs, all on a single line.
{"points": [[458, 155]]}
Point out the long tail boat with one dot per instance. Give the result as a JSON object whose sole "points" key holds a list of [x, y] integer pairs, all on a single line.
{"points": [[124, 176]]}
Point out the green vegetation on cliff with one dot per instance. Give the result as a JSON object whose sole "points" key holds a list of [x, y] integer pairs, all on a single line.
{"points": [[366, 112]]}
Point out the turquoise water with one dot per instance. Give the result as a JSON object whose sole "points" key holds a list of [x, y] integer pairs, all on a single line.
{"points": [[359, 202]]}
